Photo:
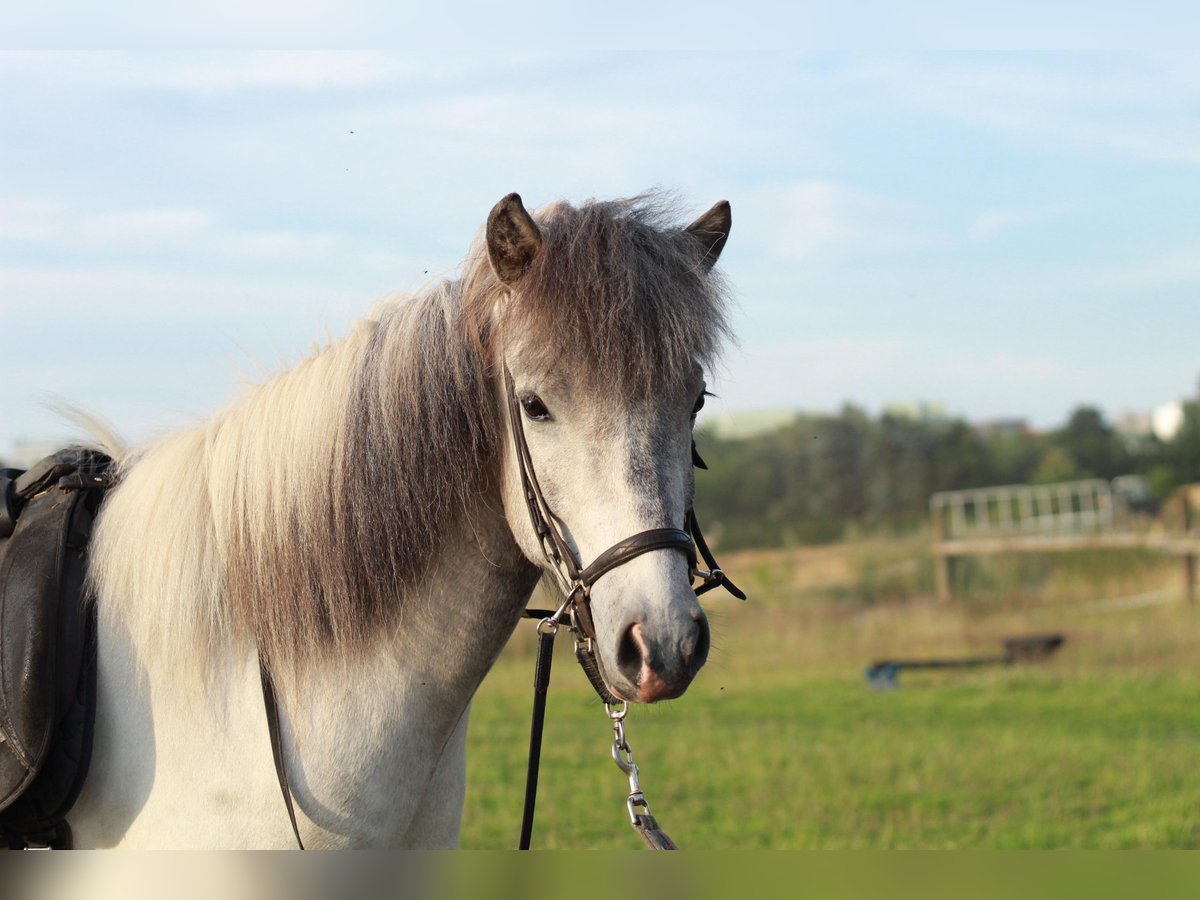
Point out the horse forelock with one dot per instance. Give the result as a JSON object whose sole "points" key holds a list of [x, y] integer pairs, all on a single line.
{"points": [[618, 292]]}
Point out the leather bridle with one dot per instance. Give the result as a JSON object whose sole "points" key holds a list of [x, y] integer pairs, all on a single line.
{"points": [[576, 581]]}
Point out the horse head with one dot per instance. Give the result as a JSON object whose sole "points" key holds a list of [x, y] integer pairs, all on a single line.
{"points": [[601, 324]]}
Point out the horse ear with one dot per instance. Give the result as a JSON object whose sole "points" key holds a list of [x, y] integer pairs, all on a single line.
{"points": [[712, 230], [513, 239]]}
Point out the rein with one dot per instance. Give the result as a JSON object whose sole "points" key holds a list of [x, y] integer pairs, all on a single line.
{"points": [[575, 582]]}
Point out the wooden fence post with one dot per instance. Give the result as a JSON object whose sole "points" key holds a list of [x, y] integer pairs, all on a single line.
{"points": [[942, 569], [1189, 559]]}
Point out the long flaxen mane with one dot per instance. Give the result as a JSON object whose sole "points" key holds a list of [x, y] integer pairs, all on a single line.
{"points": [[300, 516]]}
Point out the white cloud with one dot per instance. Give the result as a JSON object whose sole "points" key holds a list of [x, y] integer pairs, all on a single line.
{"points": [[137, 294], [810, 219], [992, 221], [810, 373], [127, 235], [224, 72], [141, 224], [875, 371], [26, 218], [304, 70], [1136, 107], [1129, 281]]}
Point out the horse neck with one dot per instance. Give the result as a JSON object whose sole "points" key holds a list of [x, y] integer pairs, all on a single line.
{"points": [[385, 718], [415, 680]]}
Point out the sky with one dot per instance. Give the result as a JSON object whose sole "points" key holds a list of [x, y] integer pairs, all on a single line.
{"points": [[1008, 234]]}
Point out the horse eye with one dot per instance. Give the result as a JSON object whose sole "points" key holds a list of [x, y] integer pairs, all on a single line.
{"points": [[535, 408], [700, 402]]}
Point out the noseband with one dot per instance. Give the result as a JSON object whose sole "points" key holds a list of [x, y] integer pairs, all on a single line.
{"points": [[575, 580]]}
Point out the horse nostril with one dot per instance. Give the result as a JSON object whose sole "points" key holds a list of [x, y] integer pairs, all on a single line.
{"points": [[629, 653]]}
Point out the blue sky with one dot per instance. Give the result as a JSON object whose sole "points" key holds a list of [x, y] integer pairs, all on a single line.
{"points": [[1005, 233]]}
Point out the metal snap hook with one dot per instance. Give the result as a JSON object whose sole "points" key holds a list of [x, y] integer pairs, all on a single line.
{"points": [[616, 712]]}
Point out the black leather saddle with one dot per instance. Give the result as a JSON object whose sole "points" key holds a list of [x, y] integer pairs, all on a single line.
{"points": [[47, 643]]}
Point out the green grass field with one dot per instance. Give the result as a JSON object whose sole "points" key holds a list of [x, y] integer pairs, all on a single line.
{"points": [[781, 744]]}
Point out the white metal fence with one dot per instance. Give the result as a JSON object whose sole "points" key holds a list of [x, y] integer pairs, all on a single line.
{"points": [[1068, 507]]}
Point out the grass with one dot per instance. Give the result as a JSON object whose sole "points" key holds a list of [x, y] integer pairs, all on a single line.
{"points": [[780, 743]]}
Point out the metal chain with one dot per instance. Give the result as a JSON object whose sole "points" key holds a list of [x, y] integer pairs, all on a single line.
{"points": [[622, 755]]}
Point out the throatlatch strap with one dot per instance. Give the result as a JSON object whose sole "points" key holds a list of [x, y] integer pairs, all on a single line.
{"points": [[722, 580], [273, 729]]}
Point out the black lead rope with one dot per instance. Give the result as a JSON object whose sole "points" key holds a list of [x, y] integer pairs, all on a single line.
{"points": [[541, 687]]}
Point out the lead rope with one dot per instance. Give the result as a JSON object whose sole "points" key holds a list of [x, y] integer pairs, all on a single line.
{"points": [[546, 630]]}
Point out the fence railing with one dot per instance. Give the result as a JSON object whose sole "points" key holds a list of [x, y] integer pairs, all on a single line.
{"points": [[1069, 507], [1070, 515]]}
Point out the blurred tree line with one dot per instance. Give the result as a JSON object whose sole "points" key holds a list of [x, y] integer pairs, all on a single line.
{"points": [[821, 475]]}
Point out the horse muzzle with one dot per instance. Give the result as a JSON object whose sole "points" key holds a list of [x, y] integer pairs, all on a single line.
{"points": [[655, 664]]}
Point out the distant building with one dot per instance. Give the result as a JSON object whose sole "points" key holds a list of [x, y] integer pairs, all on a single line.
{"points": [[746, 423], [1003, 427], [1166, 420], [1134, 424], [919, 411]]}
